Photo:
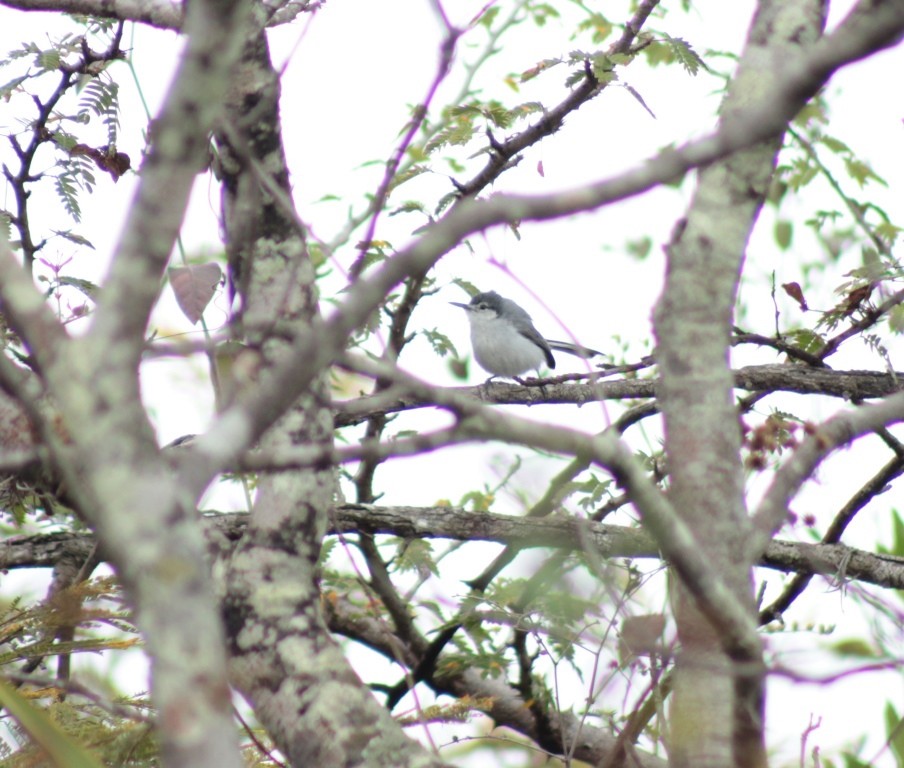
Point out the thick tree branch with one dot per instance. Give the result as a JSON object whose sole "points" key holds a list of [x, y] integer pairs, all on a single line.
{"points": [[718, 719], [158, 13], [850, 385], [26, 309], [280, 634], [609, 541], [163, 14], [98, 432]]}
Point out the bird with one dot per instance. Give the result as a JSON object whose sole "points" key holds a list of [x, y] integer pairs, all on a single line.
{"points": [[505, 341]]}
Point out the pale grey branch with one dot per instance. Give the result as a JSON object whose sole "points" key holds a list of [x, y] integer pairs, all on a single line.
{"points": [[839, 430], [162, 14]]}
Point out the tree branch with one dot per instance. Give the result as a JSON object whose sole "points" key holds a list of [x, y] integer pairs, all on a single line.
{"points": [[850, 385], [609, 541], [162, 14], [839, 430], [507, 707]]}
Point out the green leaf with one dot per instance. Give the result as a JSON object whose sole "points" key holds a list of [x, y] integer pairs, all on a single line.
{"points": [[669, 50], [64, 140], [27, 49], [602, 67], [489, 16], [527, 108], [457, 134], [497, 114], [685, 55], [574, 78], [813, 112], [807, 341], [894, 730], [60, 748], [445, 201], [658, 53], [852, 761], [598, 25], [406, 175], [897, 541], [639, 248], [542, 12], [416, 555], [467, 286], [101, 98], [783, 233], [888, 231], [480, 502], [409, 206], [896, 319], [542, 66], [802, 173], [861, 172], [48, 60], [856, 647], [67, 192], [835, 145], [8, 88], [416, 153], [594, 490], [91, 290], [326, 549], [441, 343], [74, 238]]}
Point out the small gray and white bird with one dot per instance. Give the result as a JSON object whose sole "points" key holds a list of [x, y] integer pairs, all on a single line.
{"points": [[505, 341]]}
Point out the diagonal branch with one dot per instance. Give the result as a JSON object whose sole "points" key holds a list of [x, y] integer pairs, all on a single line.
{"points": [[796, 586], [26, 310], [839, 430]]}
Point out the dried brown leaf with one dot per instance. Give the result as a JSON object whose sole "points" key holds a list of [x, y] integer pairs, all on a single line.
{"points": [[194, 286]]}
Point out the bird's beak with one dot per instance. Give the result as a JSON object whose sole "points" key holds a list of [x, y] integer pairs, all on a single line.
{"points": [[463, 306]]}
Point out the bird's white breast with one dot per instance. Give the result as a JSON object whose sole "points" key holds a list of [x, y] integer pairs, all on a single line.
{"points": [[500, 349]]}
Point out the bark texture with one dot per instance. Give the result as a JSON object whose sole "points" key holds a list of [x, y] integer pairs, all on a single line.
{"points": [[284, 659], [717, 708]]}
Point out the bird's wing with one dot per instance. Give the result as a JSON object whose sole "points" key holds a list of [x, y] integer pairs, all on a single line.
{"points": [[531, 335]]}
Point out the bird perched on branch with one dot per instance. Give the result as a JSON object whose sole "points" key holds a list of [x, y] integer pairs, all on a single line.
{"points": [[504, 338]]}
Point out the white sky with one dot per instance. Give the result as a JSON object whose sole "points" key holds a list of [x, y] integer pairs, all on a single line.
{"points": [[345, 95]]}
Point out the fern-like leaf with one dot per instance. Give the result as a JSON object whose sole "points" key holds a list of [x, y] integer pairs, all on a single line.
{"points": [[101, 98], [66, 189], [685, 55]]}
